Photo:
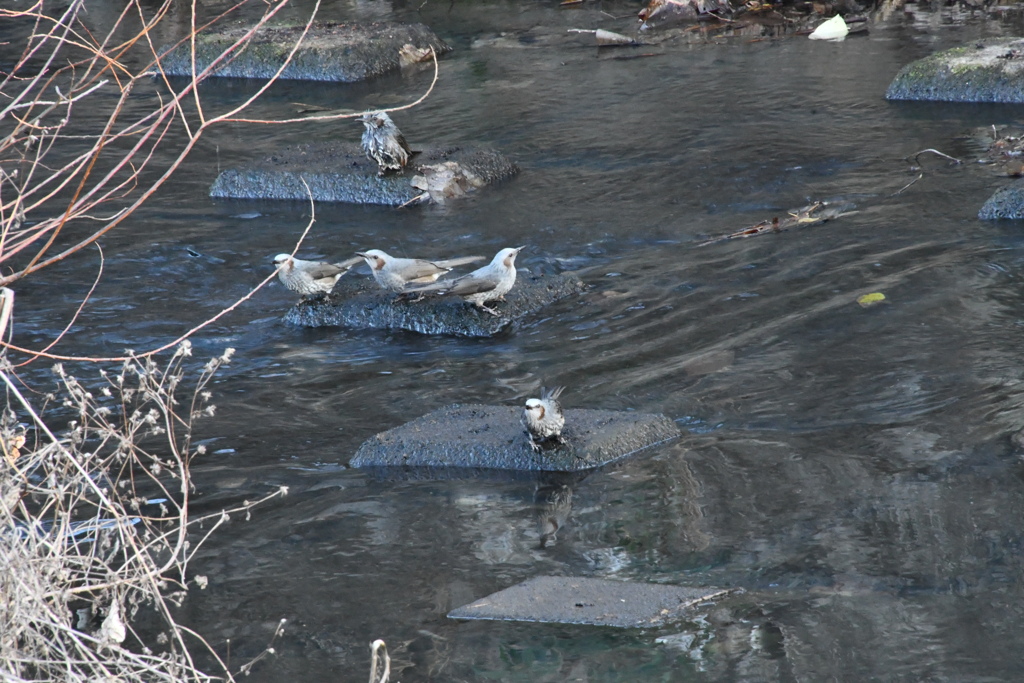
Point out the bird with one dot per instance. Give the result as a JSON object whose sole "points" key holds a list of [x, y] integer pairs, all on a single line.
{"points": [[393, 273], [543, 418], [490, 283], [384, 143], [310, 277]]}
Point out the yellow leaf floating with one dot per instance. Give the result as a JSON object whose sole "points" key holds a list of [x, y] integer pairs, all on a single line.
{"points": [[868, 300]]}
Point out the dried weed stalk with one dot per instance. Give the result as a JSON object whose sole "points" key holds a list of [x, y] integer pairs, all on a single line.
{"points": [[95, 527], [55, 172]]}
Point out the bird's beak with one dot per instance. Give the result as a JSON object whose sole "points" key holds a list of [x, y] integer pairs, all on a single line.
{"points": [[359, 253], [519, 249]]}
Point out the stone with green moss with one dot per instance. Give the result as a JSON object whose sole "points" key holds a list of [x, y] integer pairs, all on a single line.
{"points": [[984, 71], [329, 51]]}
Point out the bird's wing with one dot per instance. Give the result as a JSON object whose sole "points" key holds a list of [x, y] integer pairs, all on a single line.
{"points": [[402, 143], [418, 268], [322, 270], [473, 284], [461, 261]]}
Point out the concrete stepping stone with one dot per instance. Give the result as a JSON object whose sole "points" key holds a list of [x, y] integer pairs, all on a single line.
{"points": [[360, 303], [492, 437], [340, 172], [597, 602], [329, 52]]}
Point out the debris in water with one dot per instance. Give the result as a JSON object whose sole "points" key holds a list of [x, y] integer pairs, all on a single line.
{"points": [[819, 212], [662, 12], [446, 180], [872, 299], [833, 29], [409, 54], [607, 38]]}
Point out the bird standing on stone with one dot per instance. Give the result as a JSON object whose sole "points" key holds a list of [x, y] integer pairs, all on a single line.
{"points": [[310, 278], [384, 143], [490, 283], [543, 418], [393, 273]]}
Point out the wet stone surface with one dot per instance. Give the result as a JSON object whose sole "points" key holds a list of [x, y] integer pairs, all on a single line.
{"points": [[982, 71], [581, 600], [493, 437], [360, 303], [329, 52], [1006, 202], [340, 172]]}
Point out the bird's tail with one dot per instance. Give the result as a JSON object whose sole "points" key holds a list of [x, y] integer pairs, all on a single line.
{"points": [[439, 287], [348, 263], [554, 393], [455, 262]]}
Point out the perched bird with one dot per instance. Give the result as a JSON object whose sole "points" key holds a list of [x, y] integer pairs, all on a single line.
{"points": [[543, 418], [490, 283], [310, 277], [393, 273], [384, 143]]}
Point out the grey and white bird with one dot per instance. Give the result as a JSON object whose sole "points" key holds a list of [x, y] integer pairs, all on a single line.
{"points": [[543, 418], [490, 283], [394, 273], [310, 278], [384, 143]]}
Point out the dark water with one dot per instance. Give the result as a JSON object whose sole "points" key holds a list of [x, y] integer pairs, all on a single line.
{"points": [[849, 468]]}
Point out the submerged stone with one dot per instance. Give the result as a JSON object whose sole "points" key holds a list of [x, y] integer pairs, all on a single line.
{"points": [[1006, 202], [340, 172], [362, 304], [984, 71], [597, 602], [493, 437], [329, 52]]}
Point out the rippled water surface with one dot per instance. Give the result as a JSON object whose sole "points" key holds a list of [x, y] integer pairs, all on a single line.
{"points": [[848, 468]]}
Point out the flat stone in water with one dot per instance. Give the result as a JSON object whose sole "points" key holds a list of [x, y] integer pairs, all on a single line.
{"points": [[493, 437], [329, 52], [580, 600], [1006, 202], [362, 304], [340, 172], [984, 71]]}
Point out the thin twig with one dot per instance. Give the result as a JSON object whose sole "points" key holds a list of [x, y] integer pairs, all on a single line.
{"points": [[78, 311], [934, 151], [186, 335], [902, 189]]}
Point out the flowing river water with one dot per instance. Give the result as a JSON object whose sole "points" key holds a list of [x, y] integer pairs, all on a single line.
{"points": [[848, 467]]}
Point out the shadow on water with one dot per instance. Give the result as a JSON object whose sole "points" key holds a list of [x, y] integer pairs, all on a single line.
{"points": [[848, 467]]}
